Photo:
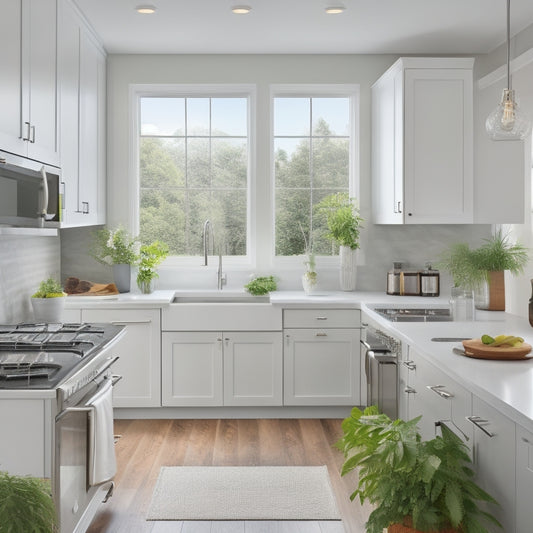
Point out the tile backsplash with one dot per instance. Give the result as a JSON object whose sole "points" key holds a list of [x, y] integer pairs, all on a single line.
{"points": [[24, 262]]}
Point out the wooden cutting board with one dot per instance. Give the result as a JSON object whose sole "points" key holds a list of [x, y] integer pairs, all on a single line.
{"points": [[475, 348]]}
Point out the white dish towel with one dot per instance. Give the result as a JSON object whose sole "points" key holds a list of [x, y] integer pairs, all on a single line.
{"points": [[102, 460]]}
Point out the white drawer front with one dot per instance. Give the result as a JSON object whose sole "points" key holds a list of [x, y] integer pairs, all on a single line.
{"points": [[321, 318]]}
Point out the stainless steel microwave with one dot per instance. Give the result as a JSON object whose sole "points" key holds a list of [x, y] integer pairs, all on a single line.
{"points": [[30, 193]]}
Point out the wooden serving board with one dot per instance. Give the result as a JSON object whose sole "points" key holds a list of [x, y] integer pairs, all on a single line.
{"points": [[475, 348]]}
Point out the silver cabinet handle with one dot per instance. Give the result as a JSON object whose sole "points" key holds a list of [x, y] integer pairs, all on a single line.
{"points": [[410, 365], [438, 390], [321, 317], [27, 137], [321, 334], [123, 323], [85, 208], [219, 339], [32, 137], [479, 423], [527, 441], [409, 390]]}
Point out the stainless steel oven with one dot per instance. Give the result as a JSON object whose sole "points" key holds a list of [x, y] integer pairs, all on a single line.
{"points": [[64, 372]]}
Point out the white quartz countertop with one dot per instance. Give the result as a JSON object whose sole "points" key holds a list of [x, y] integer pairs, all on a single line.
{"points": [[506, 385]]}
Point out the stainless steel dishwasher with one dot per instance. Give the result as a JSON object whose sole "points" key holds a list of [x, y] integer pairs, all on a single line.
{"points": [[381, 353]]}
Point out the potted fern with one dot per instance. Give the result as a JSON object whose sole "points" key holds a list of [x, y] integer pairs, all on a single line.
{"points": [[415, 485], [48, 301], [26, 505], [150, 257], [482, 269], [344, 225]]}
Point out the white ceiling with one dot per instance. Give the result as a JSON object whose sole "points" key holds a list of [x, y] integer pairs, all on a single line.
{"points": [[301, 26]]}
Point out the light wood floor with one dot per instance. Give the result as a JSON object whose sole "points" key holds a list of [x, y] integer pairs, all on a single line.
{"points": [[146, 445]]}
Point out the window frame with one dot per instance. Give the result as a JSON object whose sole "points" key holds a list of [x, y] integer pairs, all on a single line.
{"points": [[249, 91], [344, 90]]}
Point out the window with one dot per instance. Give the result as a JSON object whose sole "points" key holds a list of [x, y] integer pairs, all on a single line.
{"points": [[313, 144], [193, 155]]}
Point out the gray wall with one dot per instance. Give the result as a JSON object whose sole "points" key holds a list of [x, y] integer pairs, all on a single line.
{"points": [[380, 245]]}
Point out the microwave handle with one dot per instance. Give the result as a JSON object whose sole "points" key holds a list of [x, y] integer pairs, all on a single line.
{"points": [[44, 205]]}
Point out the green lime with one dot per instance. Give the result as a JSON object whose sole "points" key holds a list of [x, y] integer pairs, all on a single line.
{"points": [[487, 339]]}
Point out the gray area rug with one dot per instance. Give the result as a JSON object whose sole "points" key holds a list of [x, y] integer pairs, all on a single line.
{"points": [[243, 493]]}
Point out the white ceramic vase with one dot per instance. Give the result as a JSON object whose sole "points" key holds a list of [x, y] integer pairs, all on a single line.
{"points": [[48, 310], [348, 268], [309, 282]]}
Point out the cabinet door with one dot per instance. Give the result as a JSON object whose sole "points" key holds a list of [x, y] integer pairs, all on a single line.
{"points": [[42, 109], [139, 354], [524, 479], [438, 151], [11, 69], [322, 367], [191, 368], [253, 368], [494, 459]]}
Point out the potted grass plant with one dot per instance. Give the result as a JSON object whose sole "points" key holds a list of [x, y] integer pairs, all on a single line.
{"points": [[415, 485], [48, 301], [26, 505], [150, 257], [344, 225], [482, 269]]}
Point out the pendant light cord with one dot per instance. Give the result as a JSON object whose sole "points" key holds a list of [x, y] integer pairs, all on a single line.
{"points": [[509, 44]]}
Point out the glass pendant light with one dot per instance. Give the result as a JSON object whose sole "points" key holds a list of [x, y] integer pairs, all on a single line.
{"points": [[506, 122]]}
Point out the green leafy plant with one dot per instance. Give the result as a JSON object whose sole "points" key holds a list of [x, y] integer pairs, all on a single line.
{"points": [[114, 247], [26, 505], [49, 288], [342, 218], [150, 257], [261, 285], [470, 268], [428, 484]]}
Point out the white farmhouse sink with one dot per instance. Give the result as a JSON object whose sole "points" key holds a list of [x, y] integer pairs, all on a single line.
{"points": [[221, 299], [220, 311]]}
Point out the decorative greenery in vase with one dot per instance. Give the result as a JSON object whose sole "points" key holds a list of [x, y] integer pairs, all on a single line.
{"points": [[150, 257], [426, 485], [26, 505], [114, 247], [470, 268], [342, 218], [48, 301], [309, 277]]}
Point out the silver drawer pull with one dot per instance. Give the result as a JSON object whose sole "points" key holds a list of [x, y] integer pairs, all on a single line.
{"points": [[409, 390], [438, 390], [479, 423], [321, 317], [527, 441], [130, 322], [410, 365], [321, 334]]}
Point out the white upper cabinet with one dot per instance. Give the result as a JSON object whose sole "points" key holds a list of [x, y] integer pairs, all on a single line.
{"points": [[83, 90], [29, 103], [422, 142]]}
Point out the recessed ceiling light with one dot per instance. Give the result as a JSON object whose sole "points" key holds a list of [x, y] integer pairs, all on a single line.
{"points": [[241, 10], [145, 10], [334, 10]]}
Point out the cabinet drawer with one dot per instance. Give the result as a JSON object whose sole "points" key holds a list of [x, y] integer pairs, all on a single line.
{"points": [[321, 318]]}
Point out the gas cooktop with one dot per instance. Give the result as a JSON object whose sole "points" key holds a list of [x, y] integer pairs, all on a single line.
{"points": [[40, 356]]}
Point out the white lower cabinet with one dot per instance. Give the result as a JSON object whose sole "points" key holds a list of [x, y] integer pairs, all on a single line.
{"points": [[440, 400], [322, 367], [524, 480], [221, 368], [494, 460], [139, 353]]}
